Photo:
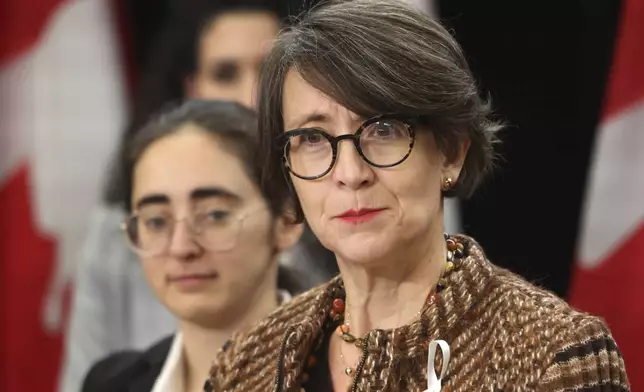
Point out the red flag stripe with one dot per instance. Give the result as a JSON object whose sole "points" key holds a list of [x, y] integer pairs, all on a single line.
{"points": [[46, 81], [29, 358], [615, 291], [126, 45], [608, 280], [25, 253], [22, 24]]}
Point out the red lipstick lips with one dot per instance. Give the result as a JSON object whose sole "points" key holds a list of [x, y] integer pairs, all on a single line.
{"points": [[360, 216]]}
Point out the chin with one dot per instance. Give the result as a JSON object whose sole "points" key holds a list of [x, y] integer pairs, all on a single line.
{"points": [[364, 248], [190, 305], [204, 313]]}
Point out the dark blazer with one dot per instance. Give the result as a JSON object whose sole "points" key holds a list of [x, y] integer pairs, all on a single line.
{"points": [[128, 371]]}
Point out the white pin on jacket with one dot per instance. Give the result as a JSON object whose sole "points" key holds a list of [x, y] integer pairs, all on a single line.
{"points": [[434, 383]]}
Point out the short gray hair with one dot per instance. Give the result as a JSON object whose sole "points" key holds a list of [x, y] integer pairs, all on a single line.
{"points": [[379, 57]]}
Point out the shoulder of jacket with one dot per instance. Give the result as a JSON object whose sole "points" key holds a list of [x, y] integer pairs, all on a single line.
{"points": [[585, 348], [259, 345], [539, 313], [102, 375], [121, 367], [292, 312], [517, 293]]}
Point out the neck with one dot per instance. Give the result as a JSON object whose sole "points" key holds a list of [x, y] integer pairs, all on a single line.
{"points": [[199, 348], [392, 293], [201, 342]]}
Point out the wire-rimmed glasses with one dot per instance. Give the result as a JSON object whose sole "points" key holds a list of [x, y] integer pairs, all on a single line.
{"points": [[150, 231], [382, 141]]}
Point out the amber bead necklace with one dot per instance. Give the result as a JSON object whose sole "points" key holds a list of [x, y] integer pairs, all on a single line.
{"points": [[337, 314]]}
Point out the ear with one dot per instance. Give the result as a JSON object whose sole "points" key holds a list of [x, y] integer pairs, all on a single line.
{"points": [[452, 168], [287, 233]]}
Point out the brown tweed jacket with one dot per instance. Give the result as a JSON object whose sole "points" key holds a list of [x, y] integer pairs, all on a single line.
{"points": [[504, 333]]}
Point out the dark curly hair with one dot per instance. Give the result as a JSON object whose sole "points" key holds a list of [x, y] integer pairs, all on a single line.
{"points": [[379, 57]]}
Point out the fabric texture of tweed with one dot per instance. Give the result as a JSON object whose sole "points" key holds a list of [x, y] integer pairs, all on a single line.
{"points": [[505, 334]]}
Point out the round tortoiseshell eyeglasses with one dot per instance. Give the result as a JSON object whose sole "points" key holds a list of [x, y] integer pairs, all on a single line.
{"points": [[382, 141]]}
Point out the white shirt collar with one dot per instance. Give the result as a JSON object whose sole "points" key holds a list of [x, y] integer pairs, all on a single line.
{"points": [[283, 297], [171, 377]]}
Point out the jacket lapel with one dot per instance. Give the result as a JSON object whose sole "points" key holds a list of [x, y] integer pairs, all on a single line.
{"points": [[150, 367], [300, 338], [144, 382]]}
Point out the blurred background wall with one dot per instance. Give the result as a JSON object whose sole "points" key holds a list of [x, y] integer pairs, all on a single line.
{"points": [[69, 71]]}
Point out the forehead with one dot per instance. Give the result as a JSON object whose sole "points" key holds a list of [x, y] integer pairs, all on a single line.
{"points": [[302, 102], [239, 34], [190, 159]]}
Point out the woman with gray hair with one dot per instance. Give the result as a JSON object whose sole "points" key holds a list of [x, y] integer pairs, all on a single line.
{"points": [[369, 118]]}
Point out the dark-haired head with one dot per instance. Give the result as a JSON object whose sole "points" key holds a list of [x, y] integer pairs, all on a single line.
{"points": [[228, 122], [194, 205], [193, 43], [208, 50], [400, 84]]}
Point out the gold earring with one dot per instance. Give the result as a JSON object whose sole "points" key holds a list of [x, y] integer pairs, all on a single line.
{"points": [[447, 184]]}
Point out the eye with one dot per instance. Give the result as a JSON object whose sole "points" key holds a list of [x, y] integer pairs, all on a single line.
{"points": [[155, 223], [385, 130], [217, 216], [312, 138], [225, 72]]}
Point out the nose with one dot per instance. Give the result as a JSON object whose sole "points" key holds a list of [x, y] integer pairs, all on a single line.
{"points": [[351, 170], [182, 243]]}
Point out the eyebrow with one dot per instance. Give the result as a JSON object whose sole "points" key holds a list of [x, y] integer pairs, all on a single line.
{"points": [[152, 199], [217, 63], [196, 194], [208, 192]]}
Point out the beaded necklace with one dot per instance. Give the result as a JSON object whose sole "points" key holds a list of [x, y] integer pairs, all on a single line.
{"points": [[455, 252]]}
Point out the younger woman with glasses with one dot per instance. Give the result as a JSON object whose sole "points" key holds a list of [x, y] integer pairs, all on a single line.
{"points": [[207, 239]]}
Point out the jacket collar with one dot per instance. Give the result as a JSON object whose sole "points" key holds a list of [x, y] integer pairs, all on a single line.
{"points": [[142, 374], [293, 330], [445, 319]]}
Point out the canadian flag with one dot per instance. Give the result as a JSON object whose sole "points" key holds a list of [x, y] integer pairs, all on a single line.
{"points": [[61, 110], [609, 275]]}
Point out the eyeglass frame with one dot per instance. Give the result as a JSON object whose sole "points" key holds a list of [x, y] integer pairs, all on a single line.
{"points": [[283, 141], [194, 233]]}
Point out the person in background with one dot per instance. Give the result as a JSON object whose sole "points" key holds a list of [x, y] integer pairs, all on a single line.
{"points": [[372, 111], [212, 50], [194, 206]]}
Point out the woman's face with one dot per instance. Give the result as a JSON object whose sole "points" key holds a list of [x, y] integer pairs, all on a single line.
{"points": [[407, 197], [230, 54], [191, 173]]}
